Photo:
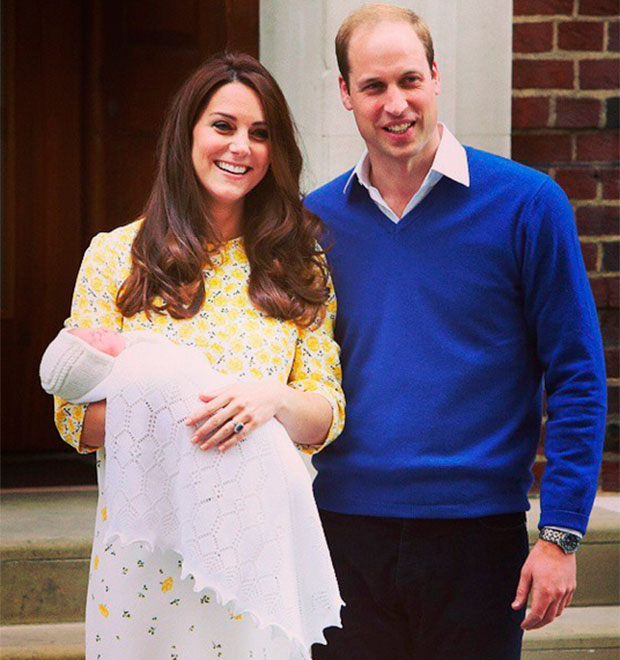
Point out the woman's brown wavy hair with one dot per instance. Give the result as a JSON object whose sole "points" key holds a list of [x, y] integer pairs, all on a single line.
{"points": [[288, 277]]}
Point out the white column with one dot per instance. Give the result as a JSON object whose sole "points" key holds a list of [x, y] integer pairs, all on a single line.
{"points": [[473, 47]]}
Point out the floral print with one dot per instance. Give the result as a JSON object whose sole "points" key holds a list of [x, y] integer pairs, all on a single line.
{"points": [[237, 338], [137, 605]]}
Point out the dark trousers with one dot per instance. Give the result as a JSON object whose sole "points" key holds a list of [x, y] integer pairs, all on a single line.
{"points": [[425, 589]]}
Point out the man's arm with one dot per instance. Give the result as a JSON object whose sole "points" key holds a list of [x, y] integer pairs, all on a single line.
{"points": [[561, 314]]}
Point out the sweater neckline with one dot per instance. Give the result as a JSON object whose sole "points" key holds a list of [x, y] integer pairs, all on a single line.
{"points": [[409, 219]]}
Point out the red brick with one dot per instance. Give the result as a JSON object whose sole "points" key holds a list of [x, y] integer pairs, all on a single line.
{"points": [[577, 183], [602, 145], [597, 220], [609, 320], [599, 74], [605, 291], [580, 35], [540, 449], [611, 256], [577, 113], [613, 42], [612, 355], [589, 252], [611, 183], [542, 74], [529, 7], [530, 112], [613, 398], [612, 112], [598, 7], [538, 149], [610, 476], [612, 437], [532, 37]]}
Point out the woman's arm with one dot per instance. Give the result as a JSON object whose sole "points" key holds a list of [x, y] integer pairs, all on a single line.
{"points": [[93, 427], [310, 406], [306, 417], [93, 304]]}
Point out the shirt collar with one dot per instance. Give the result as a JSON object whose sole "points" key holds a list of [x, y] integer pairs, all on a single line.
{"points": [[450, 160]]}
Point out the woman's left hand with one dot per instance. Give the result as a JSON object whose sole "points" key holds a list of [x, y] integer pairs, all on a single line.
{"points": [[245, 405]]}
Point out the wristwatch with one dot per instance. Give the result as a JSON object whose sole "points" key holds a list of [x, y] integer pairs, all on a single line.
{"points": [[565, 540]]}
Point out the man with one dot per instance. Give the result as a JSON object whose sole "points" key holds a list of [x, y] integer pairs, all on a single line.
{"points": [[460, 288]]}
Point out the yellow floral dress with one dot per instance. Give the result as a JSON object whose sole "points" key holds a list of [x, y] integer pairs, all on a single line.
{"points": [[137, 605]]}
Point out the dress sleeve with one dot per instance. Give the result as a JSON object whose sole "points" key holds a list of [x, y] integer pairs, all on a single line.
{"points": [[316, 368], [93, 305]]}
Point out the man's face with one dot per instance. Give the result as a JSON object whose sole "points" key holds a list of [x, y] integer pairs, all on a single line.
{"points": [[393, 93]]}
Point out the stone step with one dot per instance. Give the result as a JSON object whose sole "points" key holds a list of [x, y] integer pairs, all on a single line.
{"points": [[59, 641], [45, 537], [581, 632], [45, 540]]}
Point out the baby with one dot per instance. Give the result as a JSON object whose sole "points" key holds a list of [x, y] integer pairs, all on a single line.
{"points": [[78, 360], [243, 522]]}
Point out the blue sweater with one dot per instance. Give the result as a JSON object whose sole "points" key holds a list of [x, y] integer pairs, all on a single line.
{"points": [[448, 322]]}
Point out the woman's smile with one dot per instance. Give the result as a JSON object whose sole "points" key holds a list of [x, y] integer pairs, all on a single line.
{"points": [[232, 168], [230, 151]]}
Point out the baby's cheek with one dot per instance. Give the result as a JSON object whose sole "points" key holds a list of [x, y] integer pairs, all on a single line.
{"points": [[114, 346]]}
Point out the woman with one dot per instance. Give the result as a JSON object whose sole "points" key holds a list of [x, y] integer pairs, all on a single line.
{"points": [[226, 260]]}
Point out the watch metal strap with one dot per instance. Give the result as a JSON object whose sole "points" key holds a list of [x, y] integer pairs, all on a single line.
{"points": [[565, 540]]}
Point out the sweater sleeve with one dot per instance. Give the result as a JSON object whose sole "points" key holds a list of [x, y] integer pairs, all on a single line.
{"points": [[316, 368], [93, 305], [561, 315]]}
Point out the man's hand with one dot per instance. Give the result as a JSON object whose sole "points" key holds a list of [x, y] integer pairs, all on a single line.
{"points": [[551, 576]]}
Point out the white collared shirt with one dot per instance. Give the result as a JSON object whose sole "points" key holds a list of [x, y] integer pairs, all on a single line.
{"points": [[450, 160]]}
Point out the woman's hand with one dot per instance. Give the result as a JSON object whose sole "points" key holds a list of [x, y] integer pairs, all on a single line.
{"points": [[246, 404], [93, 428]]}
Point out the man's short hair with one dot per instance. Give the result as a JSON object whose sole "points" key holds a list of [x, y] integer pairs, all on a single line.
{"points": [[371, 15]]}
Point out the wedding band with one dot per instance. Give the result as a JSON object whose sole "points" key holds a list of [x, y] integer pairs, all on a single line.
{"points": [[238, 427]]}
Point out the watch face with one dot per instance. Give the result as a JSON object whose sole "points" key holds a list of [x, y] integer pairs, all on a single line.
{"points": [[565, 540], [570, 542]]}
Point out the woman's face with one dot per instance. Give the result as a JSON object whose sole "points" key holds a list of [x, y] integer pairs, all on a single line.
{"points": [[230, 150]]}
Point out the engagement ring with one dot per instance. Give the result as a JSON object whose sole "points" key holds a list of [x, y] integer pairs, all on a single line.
{"points": [[238, 427]]}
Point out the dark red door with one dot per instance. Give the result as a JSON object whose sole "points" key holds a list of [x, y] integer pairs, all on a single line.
{"points": [[85, 88]]}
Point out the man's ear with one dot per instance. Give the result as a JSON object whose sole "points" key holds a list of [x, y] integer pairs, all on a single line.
{"points": [[436, 78], [344, 93]]}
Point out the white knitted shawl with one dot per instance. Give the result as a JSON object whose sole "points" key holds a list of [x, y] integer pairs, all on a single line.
{"points": [[244, 522]]}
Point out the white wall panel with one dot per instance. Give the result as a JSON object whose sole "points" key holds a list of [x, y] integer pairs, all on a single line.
{"points": [[473, 46]]}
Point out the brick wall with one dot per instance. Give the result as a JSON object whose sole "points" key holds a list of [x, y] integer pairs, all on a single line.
{"points": [[565, 115]]}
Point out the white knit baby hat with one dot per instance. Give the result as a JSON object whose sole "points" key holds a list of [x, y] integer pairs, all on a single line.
{"points": [[70, 367]]}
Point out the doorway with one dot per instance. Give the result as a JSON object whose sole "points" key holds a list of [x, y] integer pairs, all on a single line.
{"points": [[85, 87]]}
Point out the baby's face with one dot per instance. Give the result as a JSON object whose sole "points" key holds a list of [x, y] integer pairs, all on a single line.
{"points": [[104, 340]]}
